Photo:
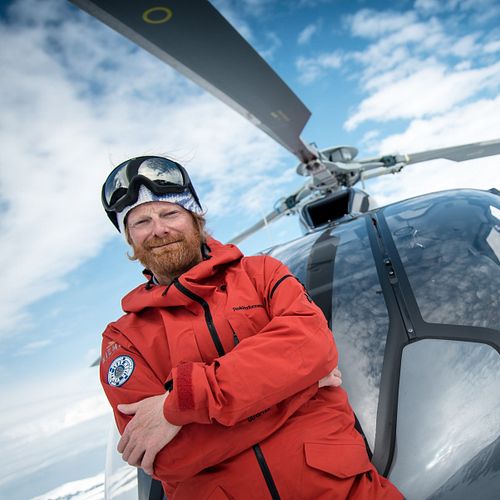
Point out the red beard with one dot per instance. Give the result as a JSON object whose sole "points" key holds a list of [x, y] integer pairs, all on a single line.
{"points": [[170, 257]]}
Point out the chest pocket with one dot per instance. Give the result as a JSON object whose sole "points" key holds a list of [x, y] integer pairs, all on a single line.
{"points": [[180, 329], [247, 320], [245, 309]]}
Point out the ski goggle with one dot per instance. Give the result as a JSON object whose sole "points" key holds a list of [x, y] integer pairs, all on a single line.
{"points": [[159, 175]]}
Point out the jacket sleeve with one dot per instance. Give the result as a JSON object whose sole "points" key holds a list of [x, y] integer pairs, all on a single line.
{"points": [[291, 353], [125, 375], [127, 378]]}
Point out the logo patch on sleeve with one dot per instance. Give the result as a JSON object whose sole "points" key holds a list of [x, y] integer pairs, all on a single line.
{"points": [[120, 370]]}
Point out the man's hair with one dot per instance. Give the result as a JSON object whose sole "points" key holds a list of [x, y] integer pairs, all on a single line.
{"points": [[199, 221]]}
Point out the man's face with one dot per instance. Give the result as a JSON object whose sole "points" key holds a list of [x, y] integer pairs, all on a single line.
{"points": [[165, 238]]}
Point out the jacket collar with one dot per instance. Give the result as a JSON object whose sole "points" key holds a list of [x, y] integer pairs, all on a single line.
{"points": [[200, 280]]}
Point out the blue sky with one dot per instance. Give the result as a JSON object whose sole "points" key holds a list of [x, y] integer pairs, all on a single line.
{"points": [[77, 98]]}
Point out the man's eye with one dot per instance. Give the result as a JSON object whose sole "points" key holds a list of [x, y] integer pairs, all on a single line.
{"points": [[139, 223]]}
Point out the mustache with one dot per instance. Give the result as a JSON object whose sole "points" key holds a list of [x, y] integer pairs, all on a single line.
{"points": [[158, 242]]}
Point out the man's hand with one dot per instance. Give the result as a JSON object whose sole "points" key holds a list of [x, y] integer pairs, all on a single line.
{"points": [[333, 379], [147, 433]]}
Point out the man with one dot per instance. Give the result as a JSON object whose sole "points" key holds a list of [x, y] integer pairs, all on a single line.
{"points": [[222, 373]]}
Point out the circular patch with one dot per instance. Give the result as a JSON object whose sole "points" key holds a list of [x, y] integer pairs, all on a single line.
{"points": [[120, 370]]}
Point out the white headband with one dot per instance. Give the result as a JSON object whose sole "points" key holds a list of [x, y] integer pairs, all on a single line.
{"points": [[184, 199]]}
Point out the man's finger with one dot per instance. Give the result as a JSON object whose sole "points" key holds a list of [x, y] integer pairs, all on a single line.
{"points": [[126, 453], [128, 446], [148, 460], [135, 456], [128, 409], [122, 444]]}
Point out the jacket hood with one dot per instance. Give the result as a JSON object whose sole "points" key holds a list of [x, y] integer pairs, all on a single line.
{"points": [[145, 295]]}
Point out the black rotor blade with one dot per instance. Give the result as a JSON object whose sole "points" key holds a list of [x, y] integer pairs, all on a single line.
{"points": [[194, 38], [458, 153]]}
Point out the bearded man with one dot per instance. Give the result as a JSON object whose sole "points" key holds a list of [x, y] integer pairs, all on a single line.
{"points": [[222, 373]]}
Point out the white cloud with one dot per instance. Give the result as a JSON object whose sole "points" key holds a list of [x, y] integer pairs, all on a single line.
{"points": [[73, 413], [465, 46], [492, 47], [433, 176], [68, 416], [470, 123], [273, 43], [419, 84], [426, 92], [83, 101], [403, 48], [477, 11], [311, 69], [413, 68], [34, 346], [255, 8], [429, 5], [369, 23], [371, 140], [307, 33], [473, 122], [227, 9], [463, 66]]}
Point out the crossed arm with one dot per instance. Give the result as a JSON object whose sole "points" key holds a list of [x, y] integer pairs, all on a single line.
{"points": [[148, 432]]}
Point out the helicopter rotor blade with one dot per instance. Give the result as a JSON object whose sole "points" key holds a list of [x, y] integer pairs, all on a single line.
{"points": [[392, 164], [458, 153], [275, 214], [196, 40], [287, 205]]}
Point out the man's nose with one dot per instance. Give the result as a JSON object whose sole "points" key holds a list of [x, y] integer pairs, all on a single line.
{"points": [[160, 228]]}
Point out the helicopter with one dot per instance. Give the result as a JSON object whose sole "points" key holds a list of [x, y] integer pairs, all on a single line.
{"points": [[410, 290]]}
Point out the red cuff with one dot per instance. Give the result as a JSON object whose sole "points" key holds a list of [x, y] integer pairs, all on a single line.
{"points": [[184, 386], [181, 396]]}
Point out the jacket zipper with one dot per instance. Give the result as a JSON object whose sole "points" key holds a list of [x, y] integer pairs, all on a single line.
{"points": [[271, 485], [208, 316], [220, 349]]}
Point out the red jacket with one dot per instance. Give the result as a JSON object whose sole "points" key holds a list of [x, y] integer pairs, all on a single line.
{"points": [[241, 346]]}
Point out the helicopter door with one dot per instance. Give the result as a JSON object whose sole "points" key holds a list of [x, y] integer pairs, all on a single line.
{"points": [[447, 434], [445, 249]]}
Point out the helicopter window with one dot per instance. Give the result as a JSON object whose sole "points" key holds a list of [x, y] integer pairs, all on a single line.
{"points": [[449, 244], [325, 210], [295, 254], [446, 446], [360, 322], [359, 315]]}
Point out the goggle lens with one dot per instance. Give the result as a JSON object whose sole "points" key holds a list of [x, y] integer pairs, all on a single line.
{"points": [[116, 185], [161, 171]]}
